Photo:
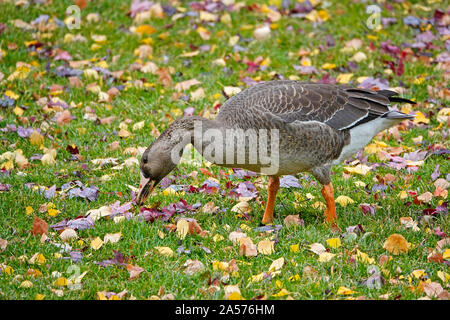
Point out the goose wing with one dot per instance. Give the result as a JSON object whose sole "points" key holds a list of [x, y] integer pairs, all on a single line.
{"points": [[340, 107]]}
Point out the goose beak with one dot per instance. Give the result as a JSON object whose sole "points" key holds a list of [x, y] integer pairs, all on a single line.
{"points": [[146, 186]]}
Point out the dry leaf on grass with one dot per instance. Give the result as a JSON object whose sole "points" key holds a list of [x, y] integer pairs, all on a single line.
{"points": [[39, 226], [266, 247], [396, 244], [193, 266], [235, 235], [247, 247], [292, 220], [68, 234], [134, 271]]}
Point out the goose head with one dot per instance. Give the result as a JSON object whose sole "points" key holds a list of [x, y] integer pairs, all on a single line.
{"points": [[156, 163]]}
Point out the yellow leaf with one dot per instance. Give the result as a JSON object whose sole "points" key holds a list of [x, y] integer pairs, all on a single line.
{"points": [[182, 228], [283, 292], [403, 195], [11, 94], [323, 15], [145, 29], [8, 165], [36, 139], [101, 296], [276, 265], [444, 276], [446, 254], [218, 238], [266, 247], [52, 212], [165, 251], [61, 282], [39, 296], [8, 270], [26, 284], [344, 78], [361, 169], [334, 242], [344, 200], [97, 243], [420, 118], [295, 277], [18, 111], [28, 210], [418, 274], [396, 244], [363, 257], [235, 296], [345, 291], [327, 66], [325, 256], [257, 278]]}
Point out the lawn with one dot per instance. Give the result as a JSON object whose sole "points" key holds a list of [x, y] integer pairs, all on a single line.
{"points": [[80, 103]]}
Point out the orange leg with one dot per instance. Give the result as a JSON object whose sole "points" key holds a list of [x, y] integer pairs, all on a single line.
{"points": [[330, 211], [272, 189]]}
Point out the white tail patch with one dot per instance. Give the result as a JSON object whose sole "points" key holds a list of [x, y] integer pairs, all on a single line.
{"points": [[361, 135]]}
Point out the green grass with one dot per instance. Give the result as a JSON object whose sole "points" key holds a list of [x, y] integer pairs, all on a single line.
{"points": [[154, 105]]}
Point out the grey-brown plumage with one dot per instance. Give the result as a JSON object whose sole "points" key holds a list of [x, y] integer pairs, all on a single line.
{"points": [[318, 125]]}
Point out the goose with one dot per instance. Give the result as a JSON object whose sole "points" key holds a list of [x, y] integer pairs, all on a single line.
{"points": [[278, 128]]}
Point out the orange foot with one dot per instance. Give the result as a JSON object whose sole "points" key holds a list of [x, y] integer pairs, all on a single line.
{"points": [[330, 211], [272, 189]]}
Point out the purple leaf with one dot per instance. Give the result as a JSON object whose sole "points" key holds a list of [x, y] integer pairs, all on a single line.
{"points": [[436, 173], [289, 181], [51, 192], [81, 223]]}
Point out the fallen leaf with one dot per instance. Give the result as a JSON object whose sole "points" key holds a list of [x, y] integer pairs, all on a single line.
{"points": [[276, 265], [165, 251], [334, 242], [396, 244], [39, 226], [193, 266], [112, 237], [292, 220], [345, 291], [266, 247], [97, 243], [326, 256], [134, 271], [344, 200], [235, 235], [68, 234], [317, 248]]}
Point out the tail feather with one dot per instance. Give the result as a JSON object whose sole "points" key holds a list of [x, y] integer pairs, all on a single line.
{"points": [[393, 96], [397, 115]]}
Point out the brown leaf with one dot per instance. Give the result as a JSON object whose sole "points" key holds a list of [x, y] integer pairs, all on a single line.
{"points": [[292, 220], [383, 259], [39, 226], [3, 244], [75, 82], [396, 244], [247, 248], [64, 117], [433, 289], [193, 266], [435, 257], [164, 77], [134, 271], [81, 3], [107, 120]]}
